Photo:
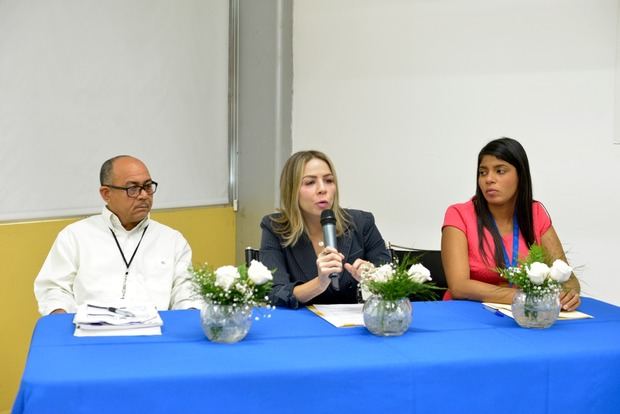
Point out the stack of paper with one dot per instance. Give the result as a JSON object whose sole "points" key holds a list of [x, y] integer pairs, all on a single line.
{"points": [[507, 310], [341, 316], [102, 320]]}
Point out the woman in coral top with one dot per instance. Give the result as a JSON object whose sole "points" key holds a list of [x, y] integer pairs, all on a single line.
{"points": [[496, 227]]}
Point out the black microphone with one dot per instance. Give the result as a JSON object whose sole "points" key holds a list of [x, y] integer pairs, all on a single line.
{"points": [[328, 221]]}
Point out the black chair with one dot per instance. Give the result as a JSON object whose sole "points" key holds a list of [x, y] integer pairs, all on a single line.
{"points": [[251, 254], [431, 259]]}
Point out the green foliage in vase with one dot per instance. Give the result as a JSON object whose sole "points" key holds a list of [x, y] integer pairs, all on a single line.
{"points": [[229, 285], [396, 281], [535, 275]]}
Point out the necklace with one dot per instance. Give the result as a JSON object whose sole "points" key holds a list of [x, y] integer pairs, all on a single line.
{"points": [[515, 242], [127, 263]]}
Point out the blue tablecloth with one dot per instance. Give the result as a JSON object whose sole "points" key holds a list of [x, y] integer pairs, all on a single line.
{"points": [[456, 357]]}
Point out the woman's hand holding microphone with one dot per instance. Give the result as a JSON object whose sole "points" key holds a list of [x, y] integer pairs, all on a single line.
{"points": [[329, 261]]}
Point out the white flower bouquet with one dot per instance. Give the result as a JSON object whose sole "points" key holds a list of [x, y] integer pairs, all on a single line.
{"points": [[393, 282], [230, 294], [236, 286], [534, 276], [388, 311]]}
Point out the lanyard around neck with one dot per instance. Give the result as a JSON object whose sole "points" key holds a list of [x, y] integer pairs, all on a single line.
{"points": [[127, 263], [515, 242]]}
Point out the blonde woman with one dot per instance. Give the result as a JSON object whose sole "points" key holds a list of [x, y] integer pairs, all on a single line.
{"points": [[292, 238]]}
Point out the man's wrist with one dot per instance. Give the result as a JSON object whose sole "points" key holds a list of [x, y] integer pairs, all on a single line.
{"points": [[57, 311]]}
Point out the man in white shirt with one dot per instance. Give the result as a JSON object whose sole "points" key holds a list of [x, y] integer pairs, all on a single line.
{"points": [[120, 254]]}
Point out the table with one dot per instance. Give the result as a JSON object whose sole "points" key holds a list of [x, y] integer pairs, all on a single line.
{"points": [[456, 357]]}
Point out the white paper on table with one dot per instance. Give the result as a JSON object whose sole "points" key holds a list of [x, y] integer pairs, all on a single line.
{"points": [[92, 321], [342, 315], [138, 331], [564, 316]]}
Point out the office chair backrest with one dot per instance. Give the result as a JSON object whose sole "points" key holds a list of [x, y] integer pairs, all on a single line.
{"points": [[251, 254], [431, 259]]}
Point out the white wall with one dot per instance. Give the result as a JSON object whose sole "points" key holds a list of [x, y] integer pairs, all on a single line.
{"points": [[403, 94], [84, 80]]}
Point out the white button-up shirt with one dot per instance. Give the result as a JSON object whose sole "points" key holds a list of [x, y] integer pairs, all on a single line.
{"points": [[86, 266]]}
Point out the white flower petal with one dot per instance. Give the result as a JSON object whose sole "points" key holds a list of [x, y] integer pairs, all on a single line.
{"points": [[417, 272], [225, 276], [560, 271], [537, 272], [258, 273]]}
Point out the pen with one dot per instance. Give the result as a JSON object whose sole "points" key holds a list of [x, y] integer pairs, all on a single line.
{"points": [[112, 309], [495, 311]]}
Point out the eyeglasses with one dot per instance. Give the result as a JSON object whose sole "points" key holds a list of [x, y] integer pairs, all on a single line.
{"points": [[134, 190]]}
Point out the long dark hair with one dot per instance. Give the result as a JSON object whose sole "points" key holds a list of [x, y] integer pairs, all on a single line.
{"points": [[509, 150]]}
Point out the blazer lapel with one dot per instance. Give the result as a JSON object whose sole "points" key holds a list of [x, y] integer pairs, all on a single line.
{"points": [[305, 257], [344, 244]]}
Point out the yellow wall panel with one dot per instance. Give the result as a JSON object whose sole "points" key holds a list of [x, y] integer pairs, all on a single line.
{"points": [[210, 232]]}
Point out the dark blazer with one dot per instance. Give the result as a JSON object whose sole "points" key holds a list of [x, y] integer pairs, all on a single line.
{"points": [[296, 264]]}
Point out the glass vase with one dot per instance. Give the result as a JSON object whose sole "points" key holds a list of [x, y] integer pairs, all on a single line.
{"points": [[225, 323], [387, 317], [536, 311]]}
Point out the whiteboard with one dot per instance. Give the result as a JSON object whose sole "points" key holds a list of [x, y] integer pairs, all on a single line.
{"points": [[82, 81]]}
